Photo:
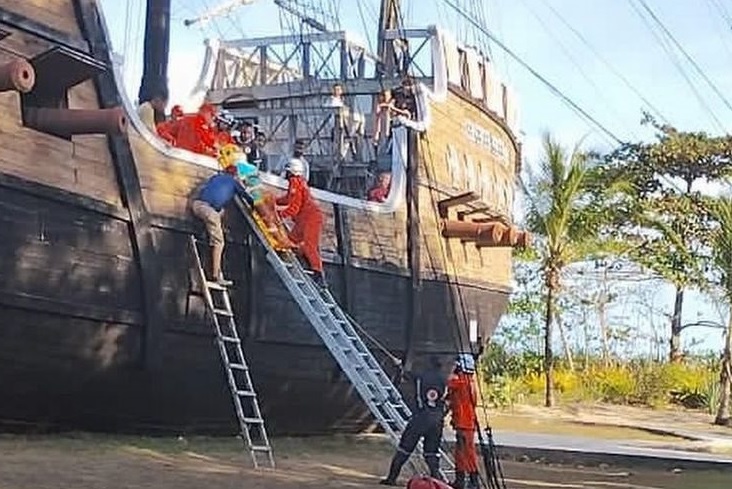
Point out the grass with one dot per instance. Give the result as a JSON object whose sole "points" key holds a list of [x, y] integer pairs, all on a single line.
{"points": [[530, 424]]}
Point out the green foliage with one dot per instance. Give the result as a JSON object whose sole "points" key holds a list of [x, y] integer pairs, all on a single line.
{"points": [[656, 206], [693, 385]]}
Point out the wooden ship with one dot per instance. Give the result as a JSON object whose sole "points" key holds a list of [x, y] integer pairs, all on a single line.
{"points": [[101, 327]]}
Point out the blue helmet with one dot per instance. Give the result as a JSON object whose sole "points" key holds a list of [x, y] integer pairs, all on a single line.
{"points": [[465, 362]]}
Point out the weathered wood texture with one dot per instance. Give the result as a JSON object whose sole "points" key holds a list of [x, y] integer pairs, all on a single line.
{"points": [[56, 14], [82, 165], [493, 176]]}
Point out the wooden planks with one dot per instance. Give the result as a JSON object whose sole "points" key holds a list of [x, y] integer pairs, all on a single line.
{"points": [[448, 130], [56, 14]]}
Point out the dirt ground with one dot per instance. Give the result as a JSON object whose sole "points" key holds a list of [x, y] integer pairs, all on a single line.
{"points": [[90, 462]]}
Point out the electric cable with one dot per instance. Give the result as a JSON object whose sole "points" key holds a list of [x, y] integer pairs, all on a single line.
{"points": [[566, 99]]}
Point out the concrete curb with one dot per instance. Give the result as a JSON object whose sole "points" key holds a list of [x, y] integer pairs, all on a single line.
{"points": [[565, 450], [566, 456]]}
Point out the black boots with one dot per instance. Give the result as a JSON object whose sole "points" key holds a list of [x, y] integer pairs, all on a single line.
{"points": [[474, 482], [459, 482], [396, 466], [433, 463]]}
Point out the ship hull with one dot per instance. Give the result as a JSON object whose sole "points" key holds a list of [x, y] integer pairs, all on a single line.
{"points": [[102, 326]]}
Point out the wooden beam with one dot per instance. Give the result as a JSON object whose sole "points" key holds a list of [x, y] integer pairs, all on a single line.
{"points": [[302, 89], [62, 196], [343, 244], [67, 309], [464, 198], [413, 249], [35, 28], [480, 210], [129, 184]]}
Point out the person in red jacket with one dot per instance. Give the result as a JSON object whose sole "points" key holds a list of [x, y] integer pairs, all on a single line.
{"points": [[197, 132], [462, 399], [166, 128], [306, 215]]}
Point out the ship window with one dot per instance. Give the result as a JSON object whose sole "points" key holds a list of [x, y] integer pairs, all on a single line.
{"points": [[57, 70]]}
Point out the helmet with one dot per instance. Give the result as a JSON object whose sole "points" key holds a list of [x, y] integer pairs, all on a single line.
{"points": [[296, 167], [466, 363], [228, 154]]}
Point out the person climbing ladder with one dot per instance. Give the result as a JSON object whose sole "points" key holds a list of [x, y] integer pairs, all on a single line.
{"points": [[306, 216], [216, 193]]}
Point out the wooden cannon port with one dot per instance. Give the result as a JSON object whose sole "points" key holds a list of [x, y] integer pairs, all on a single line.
{"points": [[488, 234], [70, 122], [17, 75]]}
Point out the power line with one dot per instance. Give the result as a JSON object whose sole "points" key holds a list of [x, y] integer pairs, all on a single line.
{"points": [[571, 103], [686, 54], [578, 66], [664, 45], [604, 61]]}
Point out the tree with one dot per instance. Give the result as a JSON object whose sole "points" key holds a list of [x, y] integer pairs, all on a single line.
{"points": [[561, 214], [661, 208], [721, 260]]}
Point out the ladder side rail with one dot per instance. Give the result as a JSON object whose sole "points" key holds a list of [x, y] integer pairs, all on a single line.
{"points": [[356, 377], [352, 373], [231, 380]]}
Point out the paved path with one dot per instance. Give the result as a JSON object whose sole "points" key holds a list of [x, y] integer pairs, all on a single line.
{"points": [[571, 450]]}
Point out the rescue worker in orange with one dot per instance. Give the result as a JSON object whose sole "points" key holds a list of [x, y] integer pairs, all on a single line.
{"points": [[197, 132], [461, 398], [305, 214], [165, 129]]}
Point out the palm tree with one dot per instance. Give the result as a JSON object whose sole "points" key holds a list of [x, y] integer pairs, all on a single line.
{"points": [[721, 245], [559, 195]]}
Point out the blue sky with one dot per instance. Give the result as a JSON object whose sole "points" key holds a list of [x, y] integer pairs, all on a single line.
{"points": [[532, 31]]}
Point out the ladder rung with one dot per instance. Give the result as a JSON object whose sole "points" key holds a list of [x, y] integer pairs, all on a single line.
{"points": [[230, 339], [223, 312], [253, 420], [260, 448], [238, 366], [215, 286], [246, 393]]}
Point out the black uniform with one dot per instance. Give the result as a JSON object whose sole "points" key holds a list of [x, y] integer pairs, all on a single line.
{"points": [[426, 422]]}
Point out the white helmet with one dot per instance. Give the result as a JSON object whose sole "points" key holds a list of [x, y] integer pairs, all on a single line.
{"points": [[466, 363], [295, 166]]}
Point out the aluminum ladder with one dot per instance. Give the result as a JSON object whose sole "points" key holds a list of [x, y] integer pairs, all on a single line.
{"points": [[241, 387], [338, 333]]}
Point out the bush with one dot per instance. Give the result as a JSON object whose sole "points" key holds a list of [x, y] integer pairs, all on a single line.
{"points": [[693, 384]]}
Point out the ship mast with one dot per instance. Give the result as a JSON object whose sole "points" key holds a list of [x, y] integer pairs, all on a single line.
{"points": [[157, 47], [388, 19]]}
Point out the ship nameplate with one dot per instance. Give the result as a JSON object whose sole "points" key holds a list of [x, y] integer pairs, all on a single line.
{"points": [[485, 139]]}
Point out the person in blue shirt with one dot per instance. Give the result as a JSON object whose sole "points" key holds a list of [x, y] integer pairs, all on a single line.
{"points": [[217, 192]]}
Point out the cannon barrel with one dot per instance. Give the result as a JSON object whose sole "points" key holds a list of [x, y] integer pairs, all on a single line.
{"points": [[69, 122], [17, 75]]}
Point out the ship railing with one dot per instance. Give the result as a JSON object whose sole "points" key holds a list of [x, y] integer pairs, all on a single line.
{"points": [[330, 56]]}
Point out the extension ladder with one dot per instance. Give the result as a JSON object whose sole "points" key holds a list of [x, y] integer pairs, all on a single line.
{"points": [[241, 387], [336, 330]]}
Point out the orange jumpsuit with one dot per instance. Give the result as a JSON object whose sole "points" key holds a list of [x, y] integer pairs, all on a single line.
{"points": [[462, 399], [308, 219], [191, 132]]}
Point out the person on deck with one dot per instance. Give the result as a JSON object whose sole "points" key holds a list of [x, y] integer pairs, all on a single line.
{"points": [[426, 422], [157, 103], [461, 398], [197, 132], [217, 192], [165, 129], [306, 215]]}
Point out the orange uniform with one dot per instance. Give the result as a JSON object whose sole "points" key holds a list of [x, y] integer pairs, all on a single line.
{"points": [[308, 219], [462, 398]]}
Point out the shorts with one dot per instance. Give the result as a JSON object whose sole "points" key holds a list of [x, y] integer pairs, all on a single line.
{"points": [[212, 219]]}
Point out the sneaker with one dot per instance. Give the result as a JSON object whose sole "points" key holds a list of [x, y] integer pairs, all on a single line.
{"points": [[387, 482], [224, 282]]}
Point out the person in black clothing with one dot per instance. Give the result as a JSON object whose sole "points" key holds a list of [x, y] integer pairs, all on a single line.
{"points": [[426, 422]]}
